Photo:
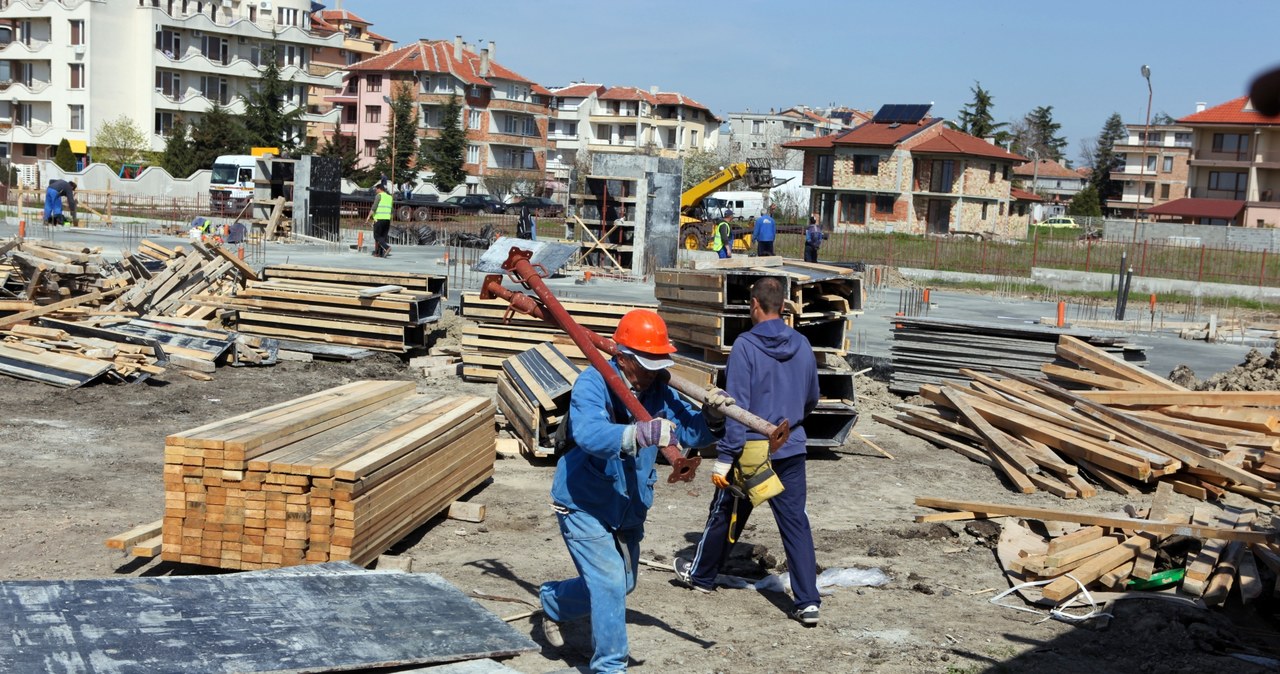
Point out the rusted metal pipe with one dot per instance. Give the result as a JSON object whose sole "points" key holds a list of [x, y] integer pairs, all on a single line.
{"points": [[776, 434]]}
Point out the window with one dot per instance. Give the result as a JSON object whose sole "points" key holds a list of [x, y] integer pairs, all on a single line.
{"points": [[215, 49], [757, 127], [1168, 165], [169, 83], [473, 119], [77, 31], [169, 42], [214, 89], [371, 148], [984, 211], [824, 169], [77, 75], [1182, 140], [884, 204], [1148, 191], [1004, 171], [866, 164], [991, 172], [1154, 138], [76, 117], [1151, 163], [373, 83], [164, 123], [1001, 209], [1229, 182], [853, 208], [372, 114], [473, 154], [1164, 191], [693, 138], [1231, 142], [942, 176]]}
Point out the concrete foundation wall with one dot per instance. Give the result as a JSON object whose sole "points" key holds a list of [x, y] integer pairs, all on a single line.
{"points": [[1092, 281], [1213, 236], [657, 216], [153, 181]]}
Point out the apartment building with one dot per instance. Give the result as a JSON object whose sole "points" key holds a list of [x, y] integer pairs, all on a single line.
{"points": [[1152, 167], [504, 114], [1057, 183], [358, 44], [1234, 168], [755, 135], [906, 172], [67, 66]]}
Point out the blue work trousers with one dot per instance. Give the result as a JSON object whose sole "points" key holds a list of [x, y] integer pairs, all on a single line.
{"points": [[793, 525], [606, 562], [52, 206]]}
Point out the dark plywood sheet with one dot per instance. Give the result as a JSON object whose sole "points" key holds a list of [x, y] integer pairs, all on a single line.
{"points": [[552, 256], [313, 619]]}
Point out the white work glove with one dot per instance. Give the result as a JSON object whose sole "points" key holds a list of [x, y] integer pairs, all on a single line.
{"points": [[720, 474], [713, 407], [652, 433]]}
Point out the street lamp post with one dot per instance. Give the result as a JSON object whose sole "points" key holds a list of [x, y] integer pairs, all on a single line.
{"points": [[391, 109], [1142, 169], [1035, 172]]}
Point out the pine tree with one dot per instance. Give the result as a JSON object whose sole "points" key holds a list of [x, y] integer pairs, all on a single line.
{"points": [[1105, 159], [975, 117], [1085, 203], [446, 153], [63, 158], [1043, 133], [265, 117], [179, 157], [402, 135], [342, 146], [218, 132]]}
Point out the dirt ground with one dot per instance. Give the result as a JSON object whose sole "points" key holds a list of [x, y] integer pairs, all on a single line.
{"points": [[82, 465]]}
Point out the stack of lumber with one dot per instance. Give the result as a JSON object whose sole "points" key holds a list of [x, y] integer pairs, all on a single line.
{"points": [[1135, 428], [338, 475], [706, 310], [933, 350], [488, 340], [533, 396], [207, 271], [61, 355], [44, 272], [383, 311], [1208, 551]]}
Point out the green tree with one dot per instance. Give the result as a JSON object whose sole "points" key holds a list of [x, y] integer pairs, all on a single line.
{"points": [[1044, 134], [698, 166], [1163, 118], [269, 124], [402, 137], [63, 157], [218, 132], [975, 117], [120, 141], [342, 146], [446, 153], [1104, 159], [179, 157], [1085, 203]]}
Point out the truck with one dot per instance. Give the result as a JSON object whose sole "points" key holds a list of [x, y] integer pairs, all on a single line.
{"points": [[699, 210], [231, 183], [418, 207]]}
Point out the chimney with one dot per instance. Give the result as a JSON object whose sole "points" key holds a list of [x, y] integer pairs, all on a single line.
{"points": [[457, 47], [484, 62], [493, 50], [1200, 105]]}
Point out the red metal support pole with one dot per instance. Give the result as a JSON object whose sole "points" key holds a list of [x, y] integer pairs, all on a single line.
{"points": [[591, 344]]}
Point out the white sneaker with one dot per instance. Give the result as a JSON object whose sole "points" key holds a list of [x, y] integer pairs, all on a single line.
{"points": [[684, 576], [807, 616], [551, 632]]}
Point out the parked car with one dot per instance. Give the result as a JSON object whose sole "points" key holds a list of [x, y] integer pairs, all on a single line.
{"points": [[1060, 221], [419, 207], [542, 207], [477, 203]]}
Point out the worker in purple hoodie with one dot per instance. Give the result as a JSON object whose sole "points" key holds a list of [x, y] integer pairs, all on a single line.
{"points": [[772, 373]]}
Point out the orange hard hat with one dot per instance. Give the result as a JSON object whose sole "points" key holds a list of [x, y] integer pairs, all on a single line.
{"points": [[644, 331]]}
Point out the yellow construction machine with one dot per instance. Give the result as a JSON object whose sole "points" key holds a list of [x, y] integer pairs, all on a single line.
{"points": [[698, 214]]}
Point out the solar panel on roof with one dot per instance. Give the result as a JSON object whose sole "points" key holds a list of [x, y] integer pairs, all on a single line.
{"points": [[901, 113]]}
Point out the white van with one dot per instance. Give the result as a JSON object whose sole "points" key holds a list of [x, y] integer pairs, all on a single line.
{"points": [[745, 205]]}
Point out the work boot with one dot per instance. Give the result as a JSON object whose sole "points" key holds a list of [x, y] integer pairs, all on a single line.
{"points": [[551, 632], [807, 616], [684, 576]]}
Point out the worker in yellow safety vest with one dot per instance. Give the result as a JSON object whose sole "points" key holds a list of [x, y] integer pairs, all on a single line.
{"points": [[722, 236], [381, 216]]}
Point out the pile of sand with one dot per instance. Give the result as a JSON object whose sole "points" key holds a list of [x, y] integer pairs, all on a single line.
{"points": [[1256, 373]]}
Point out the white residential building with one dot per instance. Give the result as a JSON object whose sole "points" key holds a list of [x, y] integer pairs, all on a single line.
{"points": [[755, 135], [67, 66]]}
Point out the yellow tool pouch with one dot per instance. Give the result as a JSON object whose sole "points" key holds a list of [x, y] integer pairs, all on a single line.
{"points": [[753, 473]]}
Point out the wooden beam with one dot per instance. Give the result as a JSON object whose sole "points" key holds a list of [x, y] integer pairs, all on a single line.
{"points": [[135, 535], [1219, 398], [1086, 355], [1160, 505], [1092, 570], [1088, 378]]}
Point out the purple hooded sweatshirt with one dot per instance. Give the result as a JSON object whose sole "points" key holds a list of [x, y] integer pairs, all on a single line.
{"points": [[773, 374]]}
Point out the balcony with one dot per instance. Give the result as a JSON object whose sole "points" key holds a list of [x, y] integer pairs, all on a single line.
{"points": [[29, 87], [19, 49]]}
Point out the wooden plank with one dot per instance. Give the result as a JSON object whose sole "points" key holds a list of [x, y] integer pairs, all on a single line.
{"points": [[1250, 582], [245, 270], [1200, 567], [1214, 398], [1219, 586], [57, 306], [997, 442], [466, 512], [381, 290], [1255, 420], [1161, 504], [1074, 538], [1169, 527], [135, 535], [971, 453], [149, 548], [1092, 570], [1098, 360], [1088, 378], [1082, 550], [738, 262]]}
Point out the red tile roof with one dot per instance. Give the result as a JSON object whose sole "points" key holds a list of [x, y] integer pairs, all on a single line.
{"points": [[436, 56], [951, 141], [339, 15], [579, 90], [817, 142], [1225, 209], [1234, 111], [1023, 195], [1048, 169], [882, 135], [628, 94], [540, 90], [676, 98]]}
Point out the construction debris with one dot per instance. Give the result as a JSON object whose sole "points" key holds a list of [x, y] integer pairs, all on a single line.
{"points": [[338, 475], [1134, 428]]}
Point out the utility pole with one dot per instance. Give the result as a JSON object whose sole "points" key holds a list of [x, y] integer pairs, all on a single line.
{"points": [[1146, 138], [392, 109]]}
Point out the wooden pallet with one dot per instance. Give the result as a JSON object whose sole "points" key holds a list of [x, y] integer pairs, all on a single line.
{"points": [[533, 395]]}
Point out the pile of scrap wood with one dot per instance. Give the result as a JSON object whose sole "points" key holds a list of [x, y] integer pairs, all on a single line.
{"points": [[533, 396], [338, 475], [43, 272], [932, 350], [1132, 428], [162, 280], [490, 336], [380, 310], [1206, 552], [706, 309]]}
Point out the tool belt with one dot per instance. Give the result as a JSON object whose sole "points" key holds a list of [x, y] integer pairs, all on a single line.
{"points": [[753, 474]]}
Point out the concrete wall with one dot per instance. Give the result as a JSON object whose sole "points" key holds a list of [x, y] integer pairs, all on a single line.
{"points": [[1213, 236], [1091, 281], [657, 216], [153, 181]]}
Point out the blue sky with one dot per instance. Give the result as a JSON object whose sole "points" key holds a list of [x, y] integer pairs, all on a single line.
{"points": [[1082, 57]]}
